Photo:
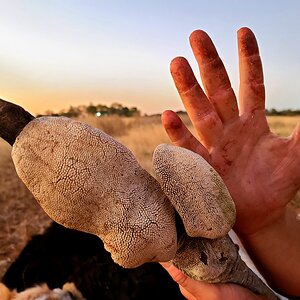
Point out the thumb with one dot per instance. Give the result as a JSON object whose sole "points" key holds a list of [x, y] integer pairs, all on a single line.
{"points": [[176, 274], [190, 288], [197, 290]]}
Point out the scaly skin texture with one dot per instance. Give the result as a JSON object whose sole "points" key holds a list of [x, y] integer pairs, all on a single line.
{"points": [[196, 191], [86, 180], [217, 261]]}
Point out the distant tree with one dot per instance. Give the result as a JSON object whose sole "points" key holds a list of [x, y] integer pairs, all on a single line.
{"points": [[134, 112], [285, 112], [73, 112], [102, 109], [91, 109], [114, 109], [97, 110]]}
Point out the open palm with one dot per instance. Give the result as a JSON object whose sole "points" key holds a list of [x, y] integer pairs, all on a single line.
{"points": [[260, 169]]}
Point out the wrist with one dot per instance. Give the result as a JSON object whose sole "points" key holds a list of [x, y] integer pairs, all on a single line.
{"points": [[285, 225], [275, 251], [264, 235]]}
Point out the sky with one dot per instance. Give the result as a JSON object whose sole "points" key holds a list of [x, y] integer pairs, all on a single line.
{"points": [[57, 53]]}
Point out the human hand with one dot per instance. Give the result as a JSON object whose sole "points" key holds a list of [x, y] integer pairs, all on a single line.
{"points": [[260, 169], [197, 290]]}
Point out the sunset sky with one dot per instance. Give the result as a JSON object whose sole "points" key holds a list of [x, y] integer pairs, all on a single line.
{"points": [[58, 53]]}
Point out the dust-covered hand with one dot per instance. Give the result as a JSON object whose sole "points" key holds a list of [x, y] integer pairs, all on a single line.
{"points": [[261, 170]]}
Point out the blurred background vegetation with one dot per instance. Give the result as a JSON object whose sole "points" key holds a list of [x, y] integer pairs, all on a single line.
{"points": [[21, 216]]}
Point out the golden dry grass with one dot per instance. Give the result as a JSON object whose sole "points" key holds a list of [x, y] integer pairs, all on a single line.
{"points": [[283, 125], [21, 217], [113, 125]]}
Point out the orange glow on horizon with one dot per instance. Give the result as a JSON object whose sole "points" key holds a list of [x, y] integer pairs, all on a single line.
{"points": [[39, 101]]}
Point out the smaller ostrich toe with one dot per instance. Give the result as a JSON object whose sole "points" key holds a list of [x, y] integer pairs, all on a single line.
{"points": [[196, 191]]}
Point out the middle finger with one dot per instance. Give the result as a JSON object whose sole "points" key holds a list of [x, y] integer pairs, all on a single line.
{"points": [[214, 76]]}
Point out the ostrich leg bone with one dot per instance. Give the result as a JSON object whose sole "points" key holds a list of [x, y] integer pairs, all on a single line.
{"points": [[86, 180], [13, 119], [205, 251]]}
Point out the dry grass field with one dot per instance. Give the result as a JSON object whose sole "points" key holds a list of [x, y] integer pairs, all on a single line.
{"points": [[21, 217]]}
